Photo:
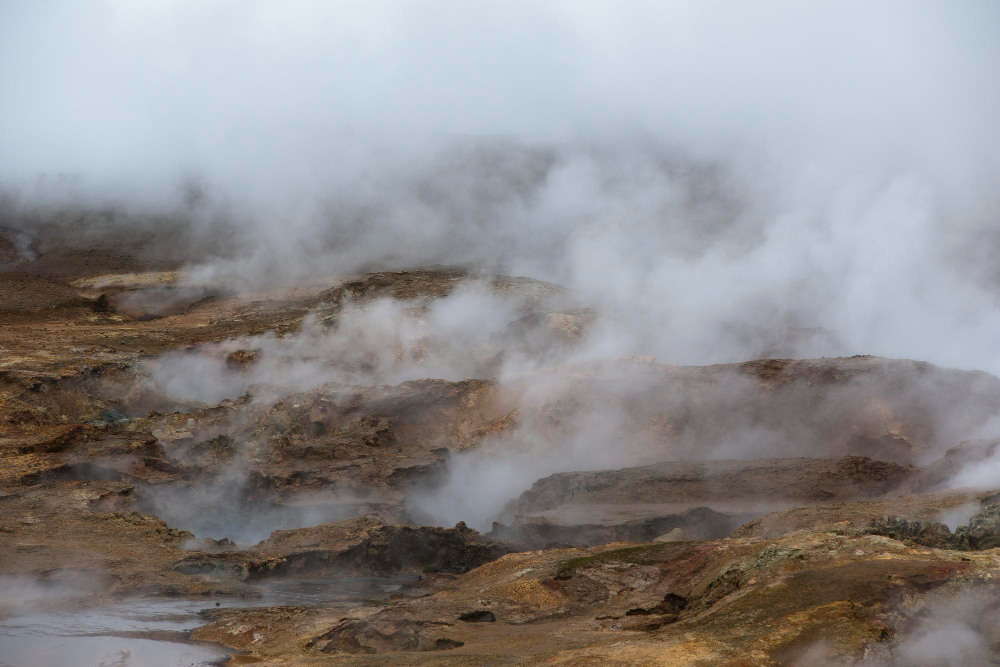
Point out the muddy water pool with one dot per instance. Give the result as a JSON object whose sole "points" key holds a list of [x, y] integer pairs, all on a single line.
{"points": [[153, 632]]}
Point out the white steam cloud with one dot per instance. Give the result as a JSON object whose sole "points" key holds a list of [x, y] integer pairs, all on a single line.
{"points": [[715, 171]]}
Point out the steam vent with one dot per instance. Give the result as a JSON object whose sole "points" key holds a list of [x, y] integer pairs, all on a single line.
{"points": [[565, 332]]}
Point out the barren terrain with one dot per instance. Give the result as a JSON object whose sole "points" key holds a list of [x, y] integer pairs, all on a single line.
{"points": [[162, 439]]}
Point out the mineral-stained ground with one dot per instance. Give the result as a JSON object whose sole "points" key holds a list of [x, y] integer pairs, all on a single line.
{"points": [[167, 437]]}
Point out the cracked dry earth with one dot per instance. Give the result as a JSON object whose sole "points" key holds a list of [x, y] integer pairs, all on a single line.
{"points": [[164, 441]]}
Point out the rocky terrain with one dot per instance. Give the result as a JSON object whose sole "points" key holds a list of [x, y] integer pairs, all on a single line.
{"points": [[165, 437]]}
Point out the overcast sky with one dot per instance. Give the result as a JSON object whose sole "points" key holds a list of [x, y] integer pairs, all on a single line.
{"points": [[105, 86]]}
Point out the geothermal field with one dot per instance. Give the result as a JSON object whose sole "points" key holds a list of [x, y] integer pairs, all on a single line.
{"points": [[482, 333]]}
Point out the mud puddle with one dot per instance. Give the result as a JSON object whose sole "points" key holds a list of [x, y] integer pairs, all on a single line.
{"points": [[154, 632]]}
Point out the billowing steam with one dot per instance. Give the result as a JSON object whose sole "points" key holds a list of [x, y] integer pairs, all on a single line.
{"points": [[717, 173]]}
